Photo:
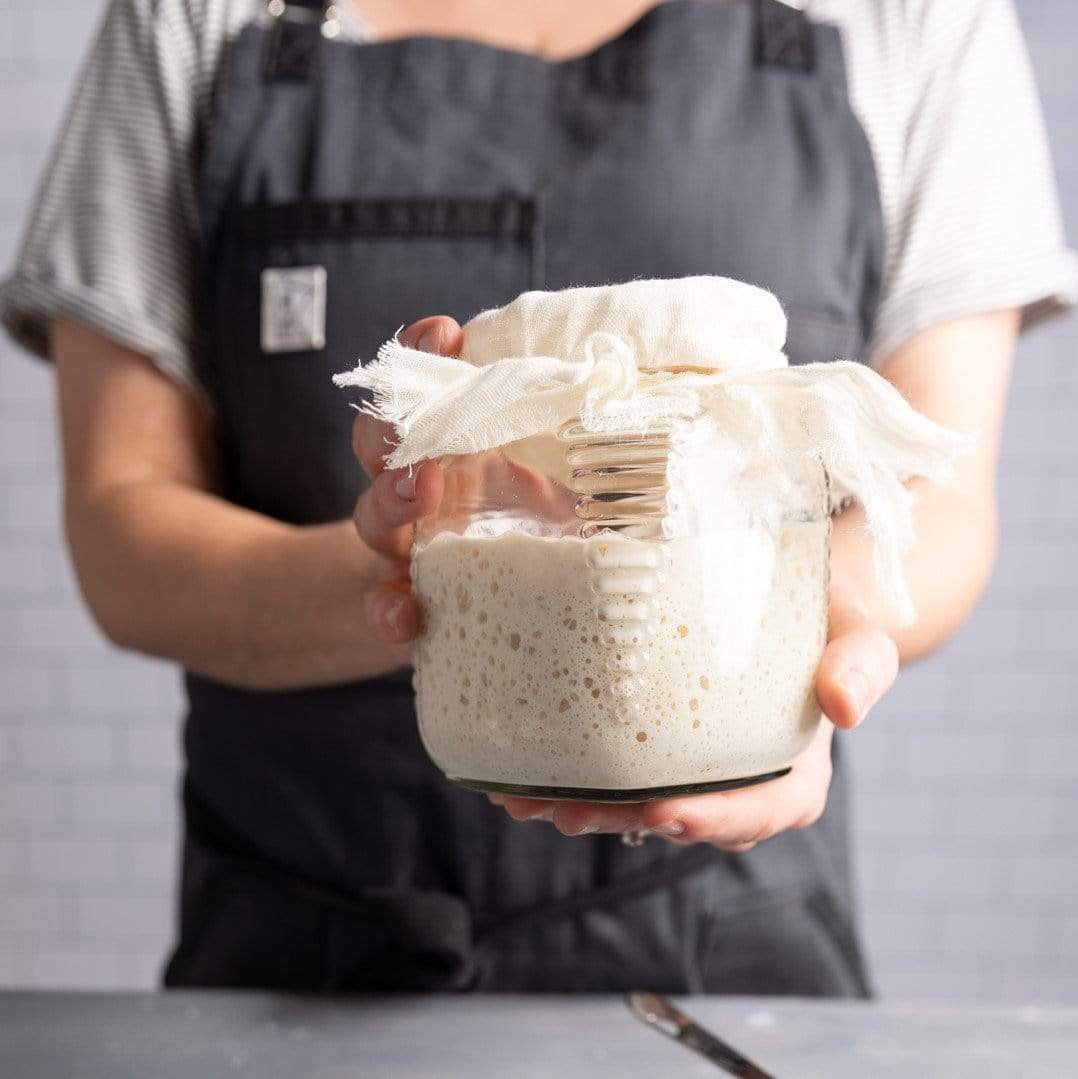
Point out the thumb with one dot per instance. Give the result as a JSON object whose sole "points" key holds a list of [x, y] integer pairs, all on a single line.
{"points": [[858, 666], [437, 333]]}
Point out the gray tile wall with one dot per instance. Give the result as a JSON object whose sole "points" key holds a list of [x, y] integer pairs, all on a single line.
{"points": [[967, 778]]}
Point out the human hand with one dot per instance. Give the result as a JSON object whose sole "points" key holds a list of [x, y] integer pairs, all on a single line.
{"points": [[858, 667], [396, 498]]}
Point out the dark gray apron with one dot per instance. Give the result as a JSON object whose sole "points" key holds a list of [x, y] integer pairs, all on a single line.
{"points": [[323, 849]]}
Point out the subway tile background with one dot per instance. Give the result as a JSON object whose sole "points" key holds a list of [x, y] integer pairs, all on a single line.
{"points": [[966, 779]]}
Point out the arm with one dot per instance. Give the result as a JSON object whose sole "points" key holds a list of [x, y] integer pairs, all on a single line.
{"points": [[170, 568], [956, 373]]}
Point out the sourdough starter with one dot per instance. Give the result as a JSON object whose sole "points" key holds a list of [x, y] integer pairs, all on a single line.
{"points": [[518, 679]]}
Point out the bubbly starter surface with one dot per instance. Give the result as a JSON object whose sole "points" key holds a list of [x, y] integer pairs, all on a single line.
{"points": [[619, 664]]}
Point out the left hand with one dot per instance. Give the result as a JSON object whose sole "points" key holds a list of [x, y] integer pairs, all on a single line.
{"points": [[858, 667]]}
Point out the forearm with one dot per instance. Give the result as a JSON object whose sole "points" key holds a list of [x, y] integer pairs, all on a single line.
{"points": [[946, 569], [956, 373], [179, 573]]}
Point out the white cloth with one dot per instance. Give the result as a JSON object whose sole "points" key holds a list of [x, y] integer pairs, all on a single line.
{"points": [[548, 358], [714, 323]]}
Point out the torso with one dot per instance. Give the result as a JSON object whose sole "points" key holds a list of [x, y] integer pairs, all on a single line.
{"points": [[421, 175], [880, 38]]}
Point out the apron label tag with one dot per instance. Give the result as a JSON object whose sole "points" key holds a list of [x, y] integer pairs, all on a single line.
{"points": [[294, 309]]}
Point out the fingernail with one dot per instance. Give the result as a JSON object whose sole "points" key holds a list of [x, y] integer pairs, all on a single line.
{"points": [[391, 616], [541, 814], [405, 486], [430, 340], [671, 827], [857, 686], [587, 829]]}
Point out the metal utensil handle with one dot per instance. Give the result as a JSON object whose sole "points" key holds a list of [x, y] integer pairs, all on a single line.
{"points": [[661, 1014], [695, 1037]]}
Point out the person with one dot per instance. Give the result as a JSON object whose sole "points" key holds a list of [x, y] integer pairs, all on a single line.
{"points": [[244, 199]]}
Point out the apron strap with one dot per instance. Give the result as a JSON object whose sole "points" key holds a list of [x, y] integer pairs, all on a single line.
{"points": [[292, 49], [783, 36], [650, 878]]}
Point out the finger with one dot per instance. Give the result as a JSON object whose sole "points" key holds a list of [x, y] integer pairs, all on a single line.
{"points": [[736, 820], [392, 612], [524, 808], [727, 818], [858, 667], [591, 818], [438, 333], [386, 510], [542, 495], [372, 439], [574, 818], [735, 848]]}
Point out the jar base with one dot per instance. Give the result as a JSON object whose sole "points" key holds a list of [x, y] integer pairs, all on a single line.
{"points": [[604, 794]]}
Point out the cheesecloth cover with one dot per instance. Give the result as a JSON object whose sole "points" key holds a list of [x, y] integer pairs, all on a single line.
{"points": [[706, 350]]}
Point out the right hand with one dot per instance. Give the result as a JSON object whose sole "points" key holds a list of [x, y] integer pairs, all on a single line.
{"points": [[396, 498]]}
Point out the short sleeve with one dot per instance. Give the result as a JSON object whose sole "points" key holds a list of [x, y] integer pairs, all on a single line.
{"points": [[978, 225], [111, 240]]}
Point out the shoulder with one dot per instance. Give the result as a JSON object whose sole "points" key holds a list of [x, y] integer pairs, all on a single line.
{"points": [[181, 44], [198, 13], [203, 25], [879, 42], [927, 26]]}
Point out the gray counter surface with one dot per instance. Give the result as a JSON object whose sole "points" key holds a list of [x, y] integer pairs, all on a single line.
{"points": [[209, 1034]]}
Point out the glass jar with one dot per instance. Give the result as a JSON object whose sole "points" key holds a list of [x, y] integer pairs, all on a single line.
{"points": [[621, 615]]}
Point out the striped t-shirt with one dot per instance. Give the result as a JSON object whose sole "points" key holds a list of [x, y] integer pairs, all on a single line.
{"points": [[943, 89]]}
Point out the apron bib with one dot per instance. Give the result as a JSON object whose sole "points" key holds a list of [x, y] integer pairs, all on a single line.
{"points": [[352, 188]]}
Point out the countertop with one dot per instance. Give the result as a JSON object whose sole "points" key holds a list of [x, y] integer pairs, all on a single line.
{"points": [[208, 1034]]}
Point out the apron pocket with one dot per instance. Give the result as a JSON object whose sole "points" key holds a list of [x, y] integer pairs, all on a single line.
{"points": [[680, 936], [820, 337], [390, 261], [399, 940], [786, 944], [306, 288], [246, 924], [239, 930]]}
